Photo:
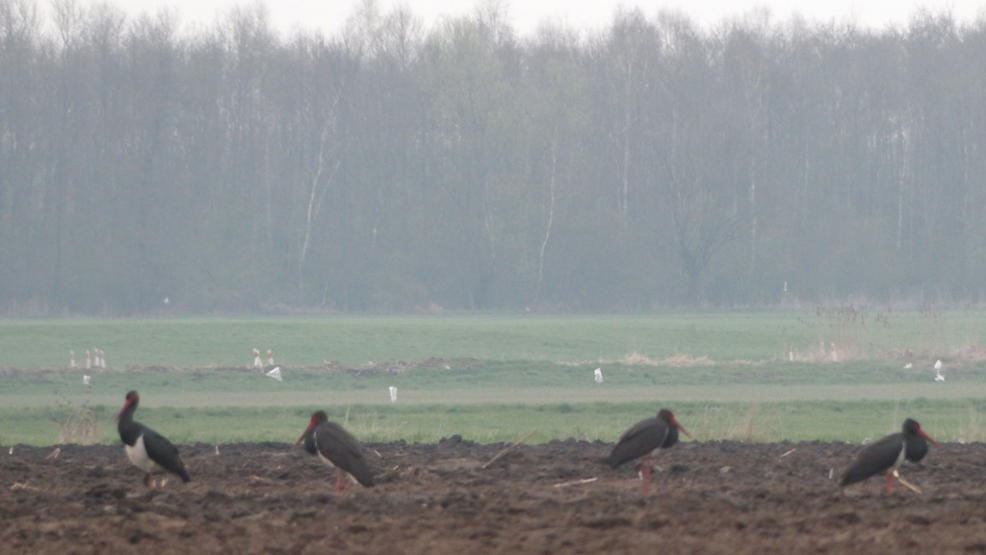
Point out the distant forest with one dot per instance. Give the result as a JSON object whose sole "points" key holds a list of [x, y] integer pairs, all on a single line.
{"points": [[394, 167]]}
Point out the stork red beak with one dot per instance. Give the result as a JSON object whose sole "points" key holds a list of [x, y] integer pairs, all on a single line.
{"points": [[125, 405], [927, 437], [679, 426], [302, 438]]}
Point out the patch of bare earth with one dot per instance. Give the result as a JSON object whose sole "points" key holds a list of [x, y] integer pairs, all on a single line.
{"points": [[710, 497]]}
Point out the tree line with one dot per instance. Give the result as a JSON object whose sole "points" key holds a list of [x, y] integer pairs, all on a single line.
{"points": [[391, 167]]}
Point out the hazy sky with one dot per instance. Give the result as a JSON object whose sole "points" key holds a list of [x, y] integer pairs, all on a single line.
{"points": [[525, 15]]}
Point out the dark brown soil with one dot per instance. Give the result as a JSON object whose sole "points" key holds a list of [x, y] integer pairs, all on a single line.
{"points": [[714, 497]]}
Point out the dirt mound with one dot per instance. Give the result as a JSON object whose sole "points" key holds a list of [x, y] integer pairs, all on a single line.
{"points": [[712, 497]]}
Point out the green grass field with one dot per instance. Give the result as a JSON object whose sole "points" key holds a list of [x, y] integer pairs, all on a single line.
{"points": [[498, 377], [851, 421], [354, 340]]}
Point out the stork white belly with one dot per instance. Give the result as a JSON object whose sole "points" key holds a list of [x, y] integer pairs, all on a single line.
{"points": [[902, 455], [138, 455]]}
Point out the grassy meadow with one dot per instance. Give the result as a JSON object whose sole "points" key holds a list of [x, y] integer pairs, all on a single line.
{"points": [[827, 374]]}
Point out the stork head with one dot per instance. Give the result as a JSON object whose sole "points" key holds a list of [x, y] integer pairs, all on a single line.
{"points": [[318, 417], [668, 416], [131, 400]]}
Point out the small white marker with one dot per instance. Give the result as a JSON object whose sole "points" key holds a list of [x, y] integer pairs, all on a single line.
{"points": [[393, 394], [86, 379], [275, 373]]}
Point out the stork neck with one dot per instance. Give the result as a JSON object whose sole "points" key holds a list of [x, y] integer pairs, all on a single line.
{"points": [[128, 429], [670, 437], [127, 416]]}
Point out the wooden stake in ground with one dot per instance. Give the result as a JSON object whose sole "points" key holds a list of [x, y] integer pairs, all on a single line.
{"points": [[506, 449], [907, 484], [576, 482]]}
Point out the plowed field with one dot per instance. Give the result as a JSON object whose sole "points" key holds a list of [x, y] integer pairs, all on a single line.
{"points": [[709, 497]]}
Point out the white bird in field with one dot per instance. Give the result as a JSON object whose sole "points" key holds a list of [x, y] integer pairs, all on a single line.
{"points": [[938, 375], [393, 394], [597, 375]]}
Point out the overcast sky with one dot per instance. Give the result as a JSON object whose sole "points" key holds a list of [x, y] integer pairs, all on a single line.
{"points": [[525, 15]]}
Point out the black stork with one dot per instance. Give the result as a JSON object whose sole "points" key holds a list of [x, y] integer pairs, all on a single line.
{"points": [[644, 437], [335, 447], [147, 449], [887, 454]]}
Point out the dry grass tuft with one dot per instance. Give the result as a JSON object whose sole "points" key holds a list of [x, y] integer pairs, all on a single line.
{"points": [[744, 430], [972, 430], [78, 426]]}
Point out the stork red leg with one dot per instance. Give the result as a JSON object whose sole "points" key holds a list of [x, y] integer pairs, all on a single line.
{"points": [[645, 474], [890, 482], [342, 482]]}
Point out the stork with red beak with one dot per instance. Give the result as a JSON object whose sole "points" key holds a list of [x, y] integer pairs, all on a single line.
{"points": [[147, 449], [887, 454], [336, 447], [642, 439]]}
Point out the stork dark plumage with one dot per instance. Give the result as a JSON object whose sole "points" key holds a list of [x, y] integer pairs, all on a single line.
{"points": [[336, 447], [887, 454], [147, 449], [643, 438]]}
